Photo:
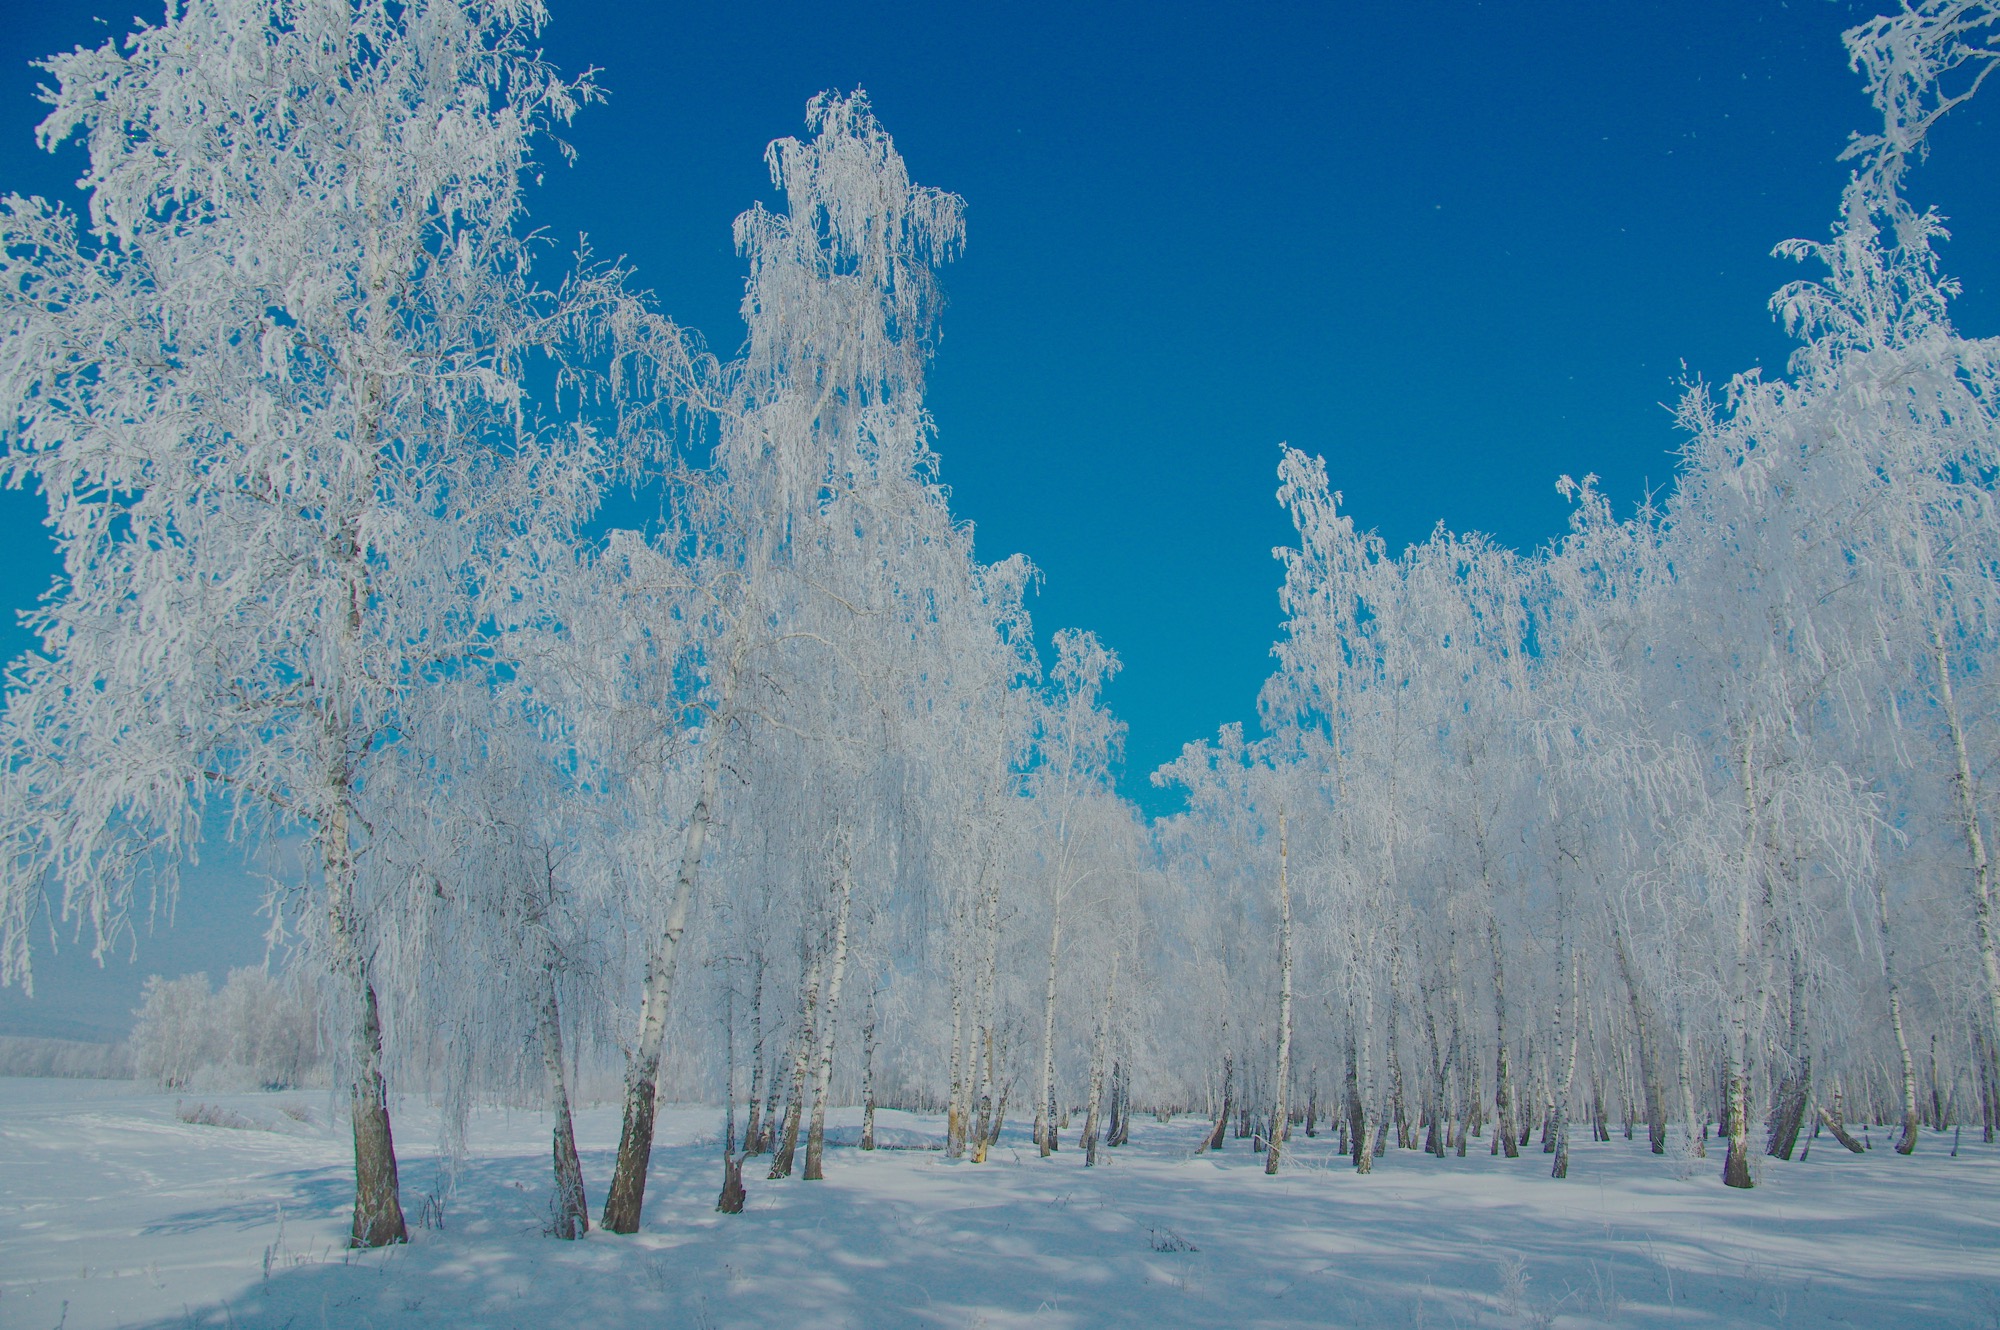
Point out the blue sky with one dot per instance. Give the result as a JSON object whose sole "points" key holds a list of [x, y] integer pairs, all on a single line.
{"points": [[1458, 249]]}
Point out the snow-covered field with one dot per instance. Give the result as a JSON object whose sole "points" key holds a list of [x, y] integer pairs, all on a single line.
{"points": [[115, 1212]]}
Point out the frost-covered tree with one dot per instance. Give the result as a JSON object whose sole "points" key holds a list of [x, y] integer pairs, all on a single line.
{"points": [[1628, 790], [257, 1031], [820, 463], [275, 390]]}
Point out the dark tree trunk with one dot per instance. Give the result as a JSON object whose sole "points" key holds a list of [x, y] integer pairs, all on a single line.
{"points": [[997, 1123], [1736, 1125], [378, 1206], [627, 1197], [1355, 1130], [1788, 1109], [1788, 1114], [1221, 1130], [1115, 1115], [730, 1202], [1123, 1131], [788, 1135], [1840, 1132], [1937, 1095]]}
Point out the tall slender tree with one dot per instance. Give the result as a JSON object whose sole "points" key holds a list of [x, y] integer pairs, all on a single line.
{"points": [[275, 392]]}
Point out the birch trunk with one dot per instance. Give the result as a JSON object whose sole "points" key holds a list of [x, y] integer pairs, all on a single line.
{"points": [[1628, 1088], [1220, 1132], [730, 1200], [1788, 1109], [627, 1197], [1737, 1057], [1045, 1107], [1120, 1110], [1279, 1111], [1357, 1110], [823, 1072], [954, 1120], [1566, 1031], [1434, 1142], [767, 1136], [981, 1084], [1931, 1106], [1463, 1057], [1649, 1079], [1468, 1111], [1406, 1137], [868, 1076], [1504, 1139], [571, 1212], [1989, 1082], [788, 1142], [378, 1207], [989, 1119], [1600, 1120], [999, 1122], [753, 1125], [1098, 1053], [1831, 1121], [1697, 1132], [1975, 836]]}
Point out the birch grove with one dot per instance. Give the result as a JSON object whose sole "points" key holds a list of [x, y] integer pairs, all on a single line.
{"points": [[1678, 825]]}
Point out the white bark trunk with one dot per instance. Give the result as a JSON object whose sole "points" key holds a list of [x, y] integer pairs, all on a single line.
{"points": [[868, 1077], [954, 1126], [1282, 1108], [1045, 1125], [626, 1198], [788, 1141], [1736, 1163], [982, 1085], [1097, 1057], [571, 1212], [1908, 1143], [1975, 837], [823, 1071], [1567, 1023], [378, 1208]]}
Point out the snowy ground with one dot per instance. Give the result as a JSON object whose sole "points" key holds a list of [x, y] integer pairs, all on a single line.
{"points": [[114, 1212]]}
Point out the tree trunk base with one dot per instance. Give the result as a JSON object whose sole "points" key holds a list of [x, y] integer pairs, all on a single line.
{"points": [[627, 1197], [1736, 1164], [572, 1211], [731, 1200], [378, 1205]]}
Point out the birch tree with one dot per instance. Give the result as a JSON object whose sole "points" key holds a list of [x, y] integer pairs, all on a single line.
{"points": [[274, 390]]}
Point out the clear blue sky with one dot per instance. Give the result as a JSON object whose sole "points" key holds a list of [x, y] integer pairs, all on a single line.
{"points": [[1458, 249]]}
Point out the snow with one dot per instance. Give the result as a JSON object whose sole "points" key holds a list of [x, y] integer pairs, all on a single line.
{"points": [[114, 1212]]}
